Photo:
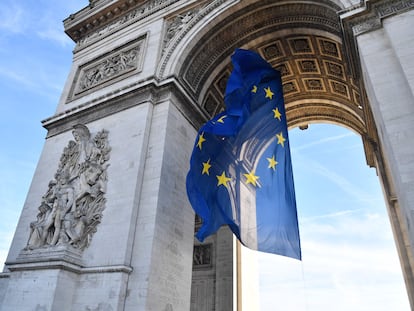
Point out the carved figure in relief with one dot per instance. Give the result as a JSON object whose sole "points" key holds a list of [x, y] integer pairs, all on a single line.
{"points": [[72, 206], [63, 204], [39, 228], [115, 65], [202, 255]]}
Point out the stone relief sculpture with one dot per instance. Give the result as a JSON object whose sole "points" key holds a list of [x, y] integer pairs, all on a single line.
{"points": [[202, 255], [176, 24], [143, 10], [72, 206], [109, 68]]}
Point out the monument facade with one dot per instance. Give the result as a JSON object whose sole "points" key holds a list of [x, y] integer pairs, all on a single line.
{"points": [[106, 224]]}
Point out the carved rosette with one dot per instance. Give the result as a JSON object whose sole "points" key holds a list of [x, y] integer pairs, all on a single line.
{"points": [[71, 208]]}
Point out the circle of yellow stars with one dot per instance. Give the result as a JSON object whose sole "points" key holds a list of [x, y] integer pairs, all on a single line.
{"points": [[251, 177]]}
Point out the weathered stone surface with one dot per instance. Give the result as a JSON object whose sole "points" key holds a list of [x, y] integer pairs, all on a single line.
{"points": [[145, 74]]}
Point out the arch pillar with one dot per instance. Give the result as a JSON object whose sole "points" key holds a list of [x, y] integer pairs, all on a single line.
{"points": [[382, 33], [150, 72]]}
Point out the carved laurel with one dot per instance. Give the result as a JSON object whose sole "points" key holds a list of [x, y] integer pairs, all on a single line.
{"points": [[71, 208]]}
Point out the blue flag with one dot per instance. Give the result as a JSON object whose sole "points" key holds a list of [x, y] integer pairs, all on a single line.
{"points": [[240, 169]]}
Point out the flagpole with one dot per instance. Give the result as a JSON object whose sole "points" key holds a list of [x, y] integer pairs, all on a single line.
{"points": [[239, 275]]}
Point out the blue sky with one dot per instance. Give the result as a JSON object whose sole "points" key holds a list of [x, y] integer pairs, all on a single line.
{"points": [[349, 256]]}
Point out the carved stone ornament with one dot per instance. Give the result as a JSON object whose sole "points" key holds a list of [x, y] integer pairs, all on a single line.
{"points": [[376, 12], [72, 206], [202, 256], [140, 12], [178, 26], [109, 68], [177, 23]]}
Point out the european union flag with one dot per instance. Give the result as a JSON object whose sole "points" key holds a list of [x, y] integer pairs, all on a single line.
{"points": [[240, 169]]}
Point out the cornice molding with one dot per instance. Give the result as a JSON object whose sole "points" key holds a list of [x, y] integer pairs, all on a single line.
{"points": [[94, 23], [147, 91], [67, 266], [96, 15], [368, 15]]}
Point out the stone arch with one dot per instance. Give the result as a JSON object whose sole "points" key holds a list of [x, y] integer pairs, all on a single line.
{"points": [[308, 43], [321, 73], [301, 39]]}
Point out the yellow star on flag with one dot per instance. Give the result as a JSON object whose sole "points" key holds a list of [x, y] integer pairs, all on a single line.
{"points": [[254, 89], [277, 114], [269, 93], [201, 140], [222, 179], [280, 139], [206, 168], [221, 119], [251, 178], [272, 162]]}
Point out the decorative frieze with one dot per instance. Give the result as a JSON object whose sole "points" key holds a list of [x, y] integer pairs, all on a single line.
{"points": [[109, 68], [140, 12], [71, 208], [371, 17], [394, 7], [366, 25]]}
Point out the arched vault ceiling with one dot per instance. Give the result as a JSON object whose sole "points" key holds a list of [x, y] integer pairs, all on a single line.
{"points": [[300, 39]]}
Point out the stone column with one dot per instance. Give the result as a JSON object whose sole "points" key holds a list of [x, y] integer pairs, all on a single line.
{"points": [[384, 38], [163, 243], [139, 254]]}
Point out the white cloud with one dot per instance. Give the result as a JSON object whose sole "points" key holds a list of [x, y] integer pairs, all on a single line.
{"points": [[56, 35], [348, 187], [39, 20], [338, 272], [50, 28], [33, 77], [12, 17], [322, 141], [13, 76]]}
